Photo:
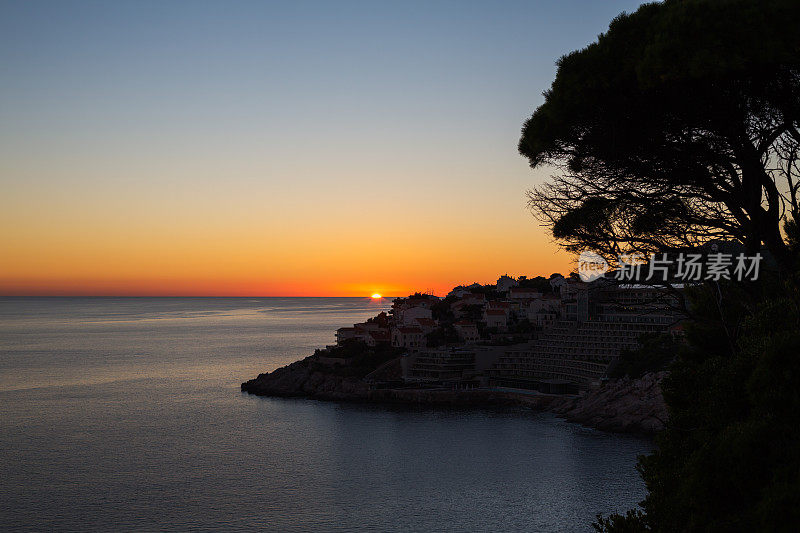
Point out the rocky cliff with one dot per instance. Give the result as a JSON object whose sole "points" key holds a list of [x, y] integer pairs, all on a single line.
{"points": [[624, 405], [629, 405], [307, 379]]}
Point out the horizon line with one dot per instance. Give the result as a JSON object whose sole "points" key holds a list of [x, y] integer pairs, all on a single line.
{"points": [[181, 296]]}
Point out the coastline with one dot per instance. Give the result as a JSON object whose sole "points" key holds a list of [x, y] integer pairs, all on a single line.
{"points": [[553, 344], [624, 405]]}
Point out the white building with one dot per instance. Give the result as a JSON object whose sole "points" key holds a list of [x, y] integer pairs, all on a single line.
{"points": [[345, 334], [411, 338], [408, 317], [544, 310], [496, 318], [405, 310], [467, 331]]}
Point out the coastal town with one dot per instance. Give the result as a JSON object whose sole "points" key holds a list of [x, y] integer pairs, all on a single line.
{"points": [[557, 335], [556, 343]]}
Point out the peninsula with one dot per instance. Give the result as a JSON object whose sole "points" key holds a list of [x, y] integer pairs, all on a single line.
{"points": [[592, 352]]}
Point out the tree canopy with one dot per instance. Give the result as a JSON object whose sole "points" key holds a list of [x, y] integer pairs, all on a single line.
{"points": [[679, 125]]}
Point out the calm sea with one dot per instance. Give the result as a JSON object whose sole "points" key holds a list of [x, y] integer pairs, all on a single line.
{"points": [[126, 414]]}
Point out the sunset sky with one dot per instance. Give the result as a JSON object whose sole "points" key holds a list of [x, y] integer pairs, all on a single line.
{"points": [[257, 148]]}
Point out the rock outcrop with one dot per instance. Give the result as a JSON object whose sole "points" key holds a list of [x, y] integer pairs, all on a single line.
{"points": [[305, 379], [624, 405]]}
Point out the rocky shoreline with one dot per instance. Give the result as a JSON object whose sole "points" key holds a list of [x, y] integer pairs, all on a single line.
{"points": [[624, 405]]}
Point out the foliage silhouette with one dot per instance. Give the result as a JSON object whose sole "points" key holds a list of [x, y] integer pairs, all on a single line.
{"points": [[680, 125]]}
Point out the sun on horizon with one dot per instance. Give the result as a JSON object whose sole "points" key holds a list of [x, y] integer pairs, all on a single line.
{"points": [[376, 296]]}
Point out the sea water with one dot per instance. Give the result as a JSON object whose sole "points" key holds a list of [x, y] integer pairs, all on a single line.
{"points": [[126, 413]]}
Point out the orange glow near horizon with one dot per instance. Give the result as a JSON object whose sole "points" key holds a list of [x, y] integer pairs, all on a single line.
{"points": [[128, 268], [405, 282], [84, 254], [109, 238]]}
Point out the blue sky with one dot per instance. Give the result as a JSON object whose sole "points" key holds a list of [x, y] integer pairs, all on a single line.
{"points": [[178, 118]]}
